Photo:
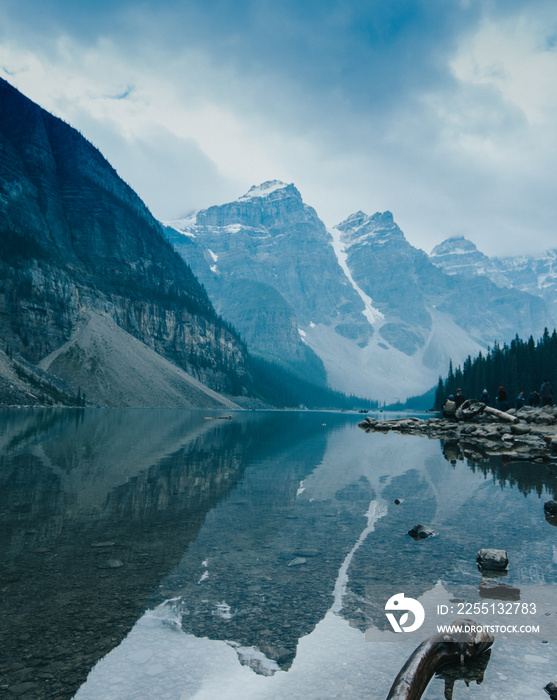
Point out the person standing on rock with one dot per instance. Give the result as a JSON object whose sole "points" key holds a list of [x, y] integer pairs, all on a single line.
{"points": [[534, 399], [459, 398], [520, 400], [502, 401], [546, 392]]}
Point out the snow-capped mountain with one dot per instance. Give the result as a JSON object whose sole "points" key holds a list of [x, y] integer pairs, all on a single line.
{"points": [[266, 261], [357, 305], [536, 275]]}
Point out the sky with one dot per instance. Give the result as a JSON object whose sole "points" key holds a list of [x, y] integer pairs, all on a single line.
{"points": [[443, 112]]}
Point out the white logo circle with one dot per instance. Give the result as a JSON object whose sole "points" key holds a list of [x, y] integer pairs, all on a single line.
{"points": [[401, 603]]}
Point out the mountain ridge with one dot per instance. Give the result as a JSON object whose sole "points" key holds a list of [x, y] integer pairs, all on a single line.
{"points": [[534, 274], [399, 320], [356, 308]]}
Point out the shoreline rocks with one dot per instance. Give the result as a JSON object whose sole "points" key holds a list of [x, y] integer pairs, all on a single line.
{"points": [[531, 437]]}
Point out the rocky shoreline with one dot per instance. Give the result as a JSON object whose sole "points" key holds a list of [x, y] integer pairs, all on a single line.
{"points": [[531, 436]]}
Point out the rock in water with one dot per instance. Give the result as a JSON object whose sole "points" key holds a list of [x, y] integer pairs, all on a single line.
{"points": [[492, 559], [422, 532]]}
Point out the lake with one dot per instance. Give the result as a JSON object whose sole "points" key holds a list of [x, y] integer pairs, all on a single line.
{"points": [[182, 554]]}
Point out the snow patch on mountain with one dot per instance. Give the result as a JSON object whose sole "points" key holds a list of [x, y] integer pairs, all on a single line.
{"points": [[263, 190], [536, 275], [183, 225], [459, 256], [382, 372], [372, 314], [377, 371]]}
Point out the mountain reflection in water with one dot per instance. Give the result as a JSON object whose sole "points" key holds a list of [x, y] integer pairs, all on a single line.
{"points": [[235, 559]]}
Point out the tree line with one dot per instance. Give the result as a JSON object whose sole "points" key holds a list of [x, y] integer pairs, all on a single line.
{"points": [[518, 366]]}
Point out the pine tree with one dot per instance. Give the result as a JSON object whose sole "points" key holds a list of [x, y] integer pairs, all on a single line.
{"points": [[520, 366], [439, 395]]}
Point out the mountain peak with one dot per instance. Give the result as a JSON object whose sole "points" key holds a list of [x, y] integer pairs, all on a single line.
{"points": [[360, 219], [458, 255], [265, 189], [454, 245], [379, 228]]}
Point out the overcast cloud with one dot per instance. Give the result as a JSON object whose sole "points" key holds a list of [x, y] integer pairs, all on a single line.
{"points": [[442, 111]]}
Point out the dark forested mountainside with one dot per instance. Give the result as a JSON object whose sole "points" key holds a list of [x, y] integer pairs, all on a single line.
{"points": [[75, 239]]}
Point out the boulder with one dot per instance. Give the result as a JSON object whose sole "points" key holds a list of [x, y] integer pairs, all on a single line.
{"points": [[520, 429], [492, 559]]}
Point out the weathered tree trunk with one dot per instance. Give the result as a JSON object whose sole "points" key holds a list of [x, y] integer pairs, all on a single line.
{"points": [[501, 414], [470, 409], [432, 654]]}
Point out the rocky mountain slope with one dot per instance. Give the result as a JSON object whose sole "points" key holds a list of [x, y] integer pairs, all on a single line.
{"points": [[268, 266], [536, 274], [76, 239], [383, 320]]}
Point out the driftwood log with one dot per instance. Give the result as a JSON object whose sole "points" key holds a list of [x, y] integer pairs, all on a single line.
{"points": [[501, 414], [434, 653], [472, 408]]}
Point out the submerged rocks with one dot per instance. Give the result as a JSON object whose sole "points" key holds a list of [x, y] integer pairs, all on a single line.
{"points": [[297, 561], [111, 564], [495, 589], [550, 512], [422, 532], [484, 434]]}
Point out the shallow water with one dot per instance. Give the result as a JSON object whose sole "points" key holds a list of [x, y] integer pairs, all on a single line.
{"points": [[173, 554]]}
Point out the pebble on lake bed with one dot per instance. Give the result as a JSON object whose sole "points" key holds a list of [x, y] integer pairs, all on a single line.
{"points": [[111, 564]]}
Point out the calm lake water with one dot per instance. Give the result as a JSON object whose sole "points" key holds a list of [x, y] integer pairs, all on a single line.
{"points": [[175, 554]]}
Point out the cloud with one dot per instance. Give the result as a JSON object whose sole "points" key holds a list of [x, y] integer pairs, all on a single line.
{"points": [[442, 111], [171, 174]]}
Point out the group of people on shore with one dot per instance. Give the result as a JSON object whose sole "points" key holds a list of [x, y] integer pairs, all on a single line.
{"points": [[544, 398]]}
